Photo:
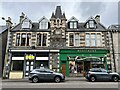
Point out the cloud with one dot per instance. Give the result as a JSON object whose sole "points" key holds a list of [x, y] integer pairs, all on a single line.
{"points": [[90, 8]]}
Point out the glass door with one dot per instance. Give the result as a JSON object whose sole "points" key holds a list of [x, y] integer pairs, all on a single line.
{"points": [[29, 67]]}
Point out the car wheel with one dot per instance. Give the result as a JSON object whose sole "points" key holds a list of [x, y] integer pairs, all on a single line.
{"points": [[92, 78], [57, 79], [115, 79], [35, 79]]}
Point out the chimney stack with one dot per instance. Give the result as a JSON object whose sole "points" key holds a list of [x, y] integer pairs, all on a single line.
{"points": [[97, 17], [22, 17], [9, 22]]}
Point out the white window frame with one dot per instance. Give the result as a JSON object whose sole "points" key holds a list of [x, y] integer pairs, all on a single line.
{"points": [[87, 39], [91, 24], [76, 39], [43, 24], [26, 24]]}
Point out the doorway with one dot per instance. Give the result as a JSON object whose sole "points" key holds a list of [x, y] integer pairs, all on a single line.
{"points": [[29, 67], [64, 68]]}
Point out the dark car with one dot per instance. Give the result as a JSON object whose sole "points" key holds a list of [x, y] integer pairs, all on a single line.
{"points": [[96, 74], [45, 75]]}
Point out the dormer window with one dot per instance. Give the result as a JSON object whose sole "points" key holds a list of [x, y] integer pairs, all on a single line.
{"points": [[43, 23], [73, 24], [26, 24], [91, 24]]}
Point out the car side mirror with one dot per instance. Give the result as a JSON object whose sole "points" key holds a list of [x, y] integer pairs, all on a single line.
{"points": [[51, 72], [108, 71]]}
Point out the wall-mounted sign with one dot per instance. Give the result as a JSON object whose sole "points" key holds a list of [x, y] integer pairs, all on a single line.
{"points": [[29, 57]]}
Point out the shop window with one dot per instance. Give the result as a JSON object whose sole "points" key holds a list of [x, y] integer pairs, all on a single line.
{"points": [[23, 40], [93, 40], [17, 65], [77, 39], [87, 39], [71, 39], [39, 62], [28, 39], [18, 39]]}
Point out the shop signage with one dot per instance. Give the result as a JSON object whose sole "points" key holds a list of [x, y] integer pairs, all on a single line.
{"points": [[30, 57], [96, 62], [85, 50]]}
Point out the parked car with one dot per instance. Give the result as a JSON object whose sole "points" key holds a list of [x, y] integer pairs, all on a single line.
{"points": [[96, 74], [45, 74]]}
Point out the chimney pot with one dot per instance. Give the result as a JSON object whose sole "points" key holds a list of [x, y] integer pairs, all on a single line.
{"points": [[97, 17]]}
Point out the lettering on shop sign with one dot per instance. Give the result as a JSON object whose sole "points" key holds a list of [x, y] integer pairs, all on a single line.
{"points": [[30, 57], [86, 50]]}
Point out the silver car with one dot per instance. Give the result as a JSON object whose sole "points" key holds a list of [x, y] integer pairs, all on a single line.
{"points": [[101, 74], [45, 74]]}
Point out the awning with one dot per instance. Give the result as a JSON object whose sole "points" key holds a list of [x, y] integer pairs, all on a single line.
{"points": [[89, 59]]}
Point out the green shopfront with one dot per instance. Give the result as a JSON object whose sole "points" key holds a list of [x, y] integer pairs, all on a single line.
{"points": [[75, 62]]}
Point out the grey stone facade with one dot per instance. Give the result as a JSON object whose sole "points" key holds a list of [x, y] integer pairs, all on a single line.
{"points": [[57, 38], [115, 45]]}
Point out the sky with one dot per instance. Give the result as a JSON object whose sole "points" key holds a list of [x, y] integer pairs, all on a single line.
{"points": [[108, 11]]}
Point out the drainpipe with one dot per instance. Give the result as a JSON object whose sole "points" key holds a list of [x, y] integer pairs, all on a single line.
{"points": [[113, 51]]}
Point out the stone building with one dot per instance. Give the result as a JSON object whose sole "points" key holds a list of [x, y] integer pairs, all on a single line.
{"points": [[115, 44], [58, 44]]}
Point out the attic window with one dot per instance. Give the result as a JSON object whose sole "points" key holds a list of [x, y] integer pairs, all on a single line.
{"points": [[91, 24], [44, 24], [73, 24], [26, 24]]}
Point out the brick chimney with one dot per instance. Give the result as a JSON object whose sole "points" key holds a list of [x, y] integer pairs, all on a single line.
{"points": [[97, 17]]}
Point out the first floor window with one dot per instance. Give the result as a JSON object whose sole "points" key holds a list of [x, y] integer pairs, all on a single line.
{"points": [[28, 39], [18, 39], [39, 39], [44, 39], [87, 39], [98, 39], [93, 40], [77, 39], [23, 40], [71, 41], [17, 65]]}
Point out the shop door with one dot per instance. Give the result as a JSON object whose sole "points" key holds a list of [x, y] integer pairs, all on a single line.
{"points": [[29, 67], [86, 65], [64, 69]]}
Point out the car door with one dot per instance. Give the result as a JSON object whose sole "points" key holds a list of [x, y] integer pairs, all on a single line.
{"points": [[105, 75], [42, 74], [49, 75], [98, 74]]}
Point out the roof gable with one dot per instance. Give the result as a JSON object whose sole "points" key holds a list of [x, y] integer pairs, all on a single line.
{"points": [[73, 19], [43, 18]]}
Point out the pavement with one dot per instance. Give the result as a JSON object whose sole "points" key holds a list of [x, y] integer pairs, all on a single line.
{"points": [[70, 82], [26, 79]]}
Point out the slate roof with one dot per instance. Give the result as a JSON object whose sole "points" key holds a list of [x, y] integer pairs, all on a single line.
{"points": [[35, 27], [58, 12], [3, 28], [114, 27], [81, 27]]}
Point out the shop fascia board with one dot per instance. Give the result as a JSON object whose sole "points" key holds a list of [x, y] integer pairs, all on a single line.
{"points": [[34, 50]]}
